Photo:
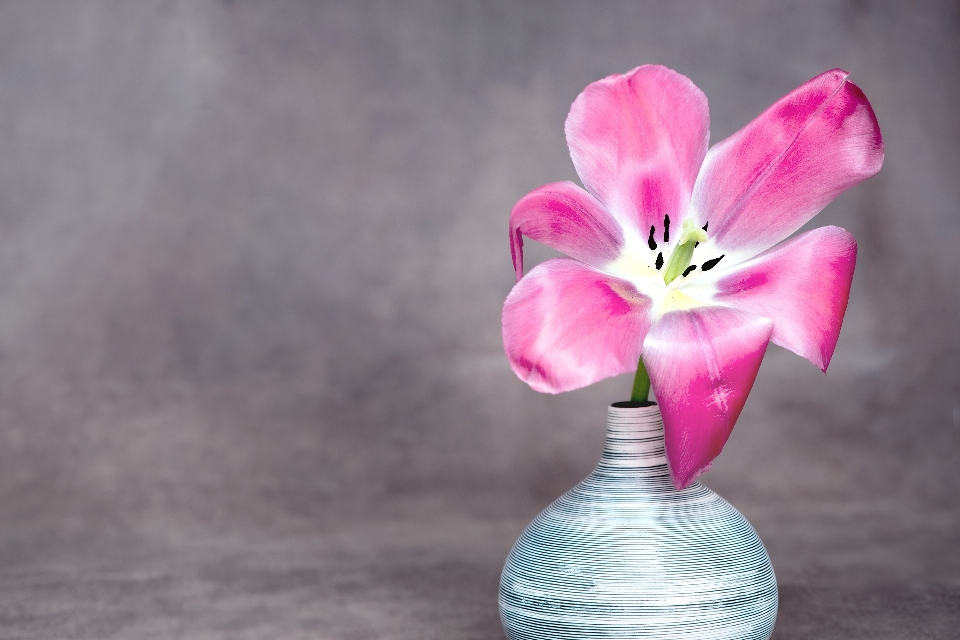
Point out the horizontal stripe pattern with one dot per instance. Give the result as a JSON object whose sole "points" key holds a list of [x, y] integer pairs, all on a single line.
{"points": [[625, 555]]}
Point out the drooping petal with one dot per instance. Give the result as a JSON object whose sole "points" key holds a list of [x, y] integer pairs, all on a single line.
{"points": [[566, 326], [802, 285], [637, 141], [702, 364], [765, 181], [564, 216]]}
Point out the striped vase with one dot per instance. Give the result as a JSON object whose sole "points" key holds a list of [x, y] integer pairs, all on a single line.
{"points": [[625, 555]]}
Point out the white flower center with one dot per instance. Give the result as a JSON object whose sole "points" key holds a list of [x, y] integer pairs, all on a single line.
{"points": [[670, 289]]}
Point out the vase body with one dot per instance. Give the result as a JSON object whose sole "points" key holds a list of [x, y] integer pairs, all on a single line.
{"points": [[625, 555]]}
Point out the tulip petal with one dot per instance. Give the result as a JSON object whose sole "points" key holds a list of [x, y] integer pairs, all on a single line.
{"points": [[564, 216], [764, 182], [566, 326], [802, 285], [702, 364], [637, 141]]}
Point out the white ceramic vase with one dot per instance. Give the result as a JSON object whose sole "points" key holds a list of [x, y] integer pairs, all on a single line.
{"points": [[625, 555]]}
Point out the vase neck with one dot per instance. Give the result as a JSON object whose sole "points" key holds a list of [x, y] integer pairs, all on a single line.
{"points": [[634, 438]]}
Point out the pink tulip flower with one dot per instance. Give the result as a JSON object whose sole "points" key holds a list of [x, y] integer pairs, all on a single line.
{"points": [[680, 254]]}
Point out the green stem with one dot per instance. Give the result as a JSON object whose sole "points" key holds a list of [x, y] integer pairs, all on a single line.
{"points": [[641, 384]]}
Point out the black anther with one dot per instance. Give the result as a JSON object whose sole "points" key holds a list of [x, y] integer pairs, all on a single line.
{"points": [[710, 264], [688, 270], [666, 228], [659, 261], [650, 241]]}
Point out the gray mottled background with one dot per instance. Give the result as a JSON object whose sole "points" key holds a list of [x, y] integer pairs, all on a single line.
{"points": [[252, 261]]}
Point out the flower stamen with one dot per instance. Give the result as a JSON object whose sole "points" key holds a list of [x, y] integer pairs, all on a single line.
{"points": [[666, 228], [710, 264], [650, 241]]}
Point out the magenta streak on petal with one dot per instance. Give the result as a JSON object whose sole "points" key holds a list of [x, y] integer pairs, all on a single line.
{"points": [[563, 216], [612, 302], [802, 285], [637, 141], [702, 364], [530, 369], [745, 281], [764, 182], [566, 326]]}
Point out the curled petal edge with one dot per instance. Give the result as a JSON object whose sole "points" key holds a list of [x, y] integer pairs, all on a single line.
{"points": [[564, 217]]}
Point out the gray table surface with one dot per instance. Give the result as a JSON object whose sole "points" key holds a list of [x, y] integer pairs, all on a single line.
{"points": [[252, 261]]}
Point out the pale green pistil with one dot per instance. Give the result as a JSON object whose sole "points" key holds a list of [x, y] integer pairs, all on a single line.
{"points": [[682, 256]]}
